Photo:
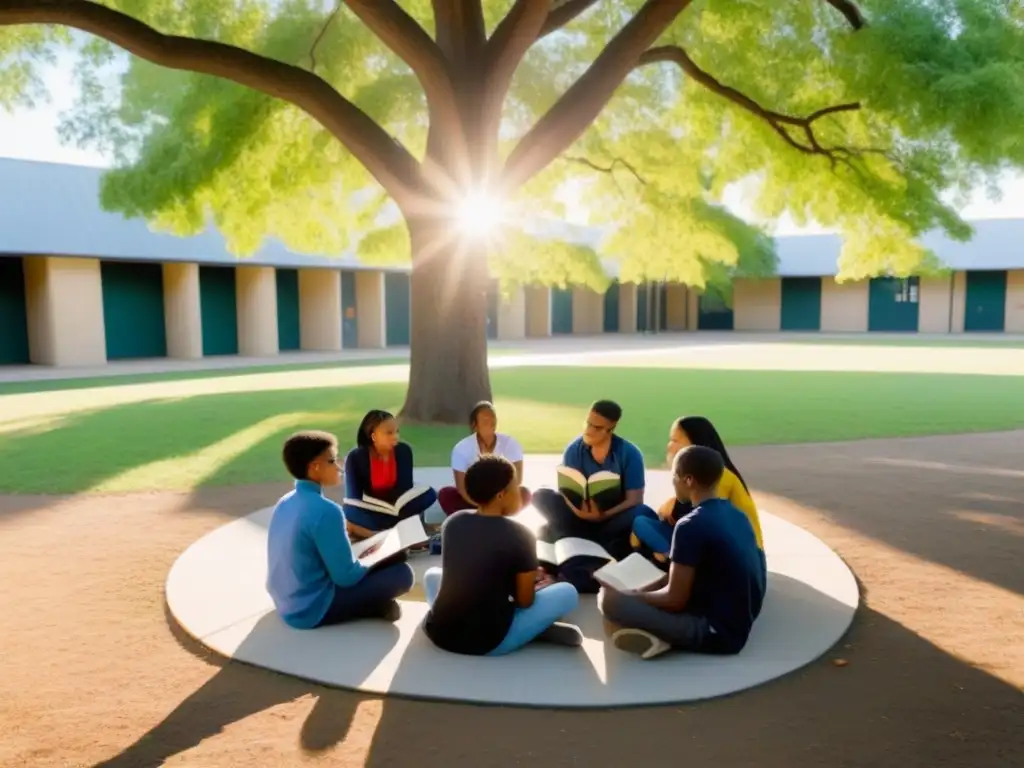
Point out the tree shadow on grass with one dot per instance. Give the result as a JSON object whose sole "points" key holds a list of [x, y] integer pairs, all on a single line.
{"points": [[237, 691]]}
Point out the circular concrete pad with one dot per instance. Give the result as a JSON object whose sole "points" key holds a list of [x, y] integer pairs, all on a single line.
{"points": [[216, 591]]}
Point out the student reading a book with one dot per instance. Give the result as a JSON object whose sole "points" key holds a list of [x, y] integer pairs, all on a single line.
{"points": [[652, 532], [600, 490], [716, 581], [488, 598], [379, 488], [312, 575], [484, 439]]}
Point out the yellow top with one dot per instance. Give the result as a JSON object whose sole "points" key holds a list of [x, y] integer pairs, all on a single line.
{"points": [[731, 489]]}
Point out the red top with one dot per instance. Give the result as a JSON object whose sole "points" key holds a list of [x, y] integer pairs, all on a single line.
{"points": [[383, 473]]}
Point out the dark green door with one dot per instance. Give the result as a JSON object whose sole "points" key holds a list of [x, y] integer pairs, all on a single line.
{"points": [[611, 308], [561, 310], [662, 293], [13, 312], [397, 308], [801, 304], [349, 313], [713, 314], [218, 309], [493, 299], [289, 336], [641, 307], [893, 304], [133, 309], [985, 308]]}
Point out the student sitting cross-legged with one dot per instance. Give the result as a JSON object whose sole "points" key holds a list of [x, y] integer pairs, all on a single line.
{"points": [[379, 488], [488, 598], [312, 575], [485, 439], [716, 581], [652, 532]]}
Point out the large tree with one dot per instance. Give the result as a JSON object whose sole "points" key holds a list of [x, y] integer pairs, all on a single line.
{"points": [[305, 120]]}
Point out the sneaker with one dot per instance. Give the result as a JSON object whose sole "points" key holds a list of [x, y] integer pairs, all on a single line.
{"points": [[643, 644], [561, 633]]}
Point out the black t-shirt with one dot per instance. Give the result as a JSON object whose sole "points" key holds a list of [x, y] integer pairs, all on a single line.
{"points": [[480, 557]]}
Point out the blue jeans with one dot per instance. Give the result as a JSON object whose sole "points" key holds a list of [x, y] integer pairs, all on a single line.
{"points": [[379, 521], [371, 597], [652, 531], [549, 605]]}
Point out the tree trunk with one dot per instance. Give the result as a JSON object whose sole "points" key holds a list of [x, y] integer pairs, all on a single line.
{"points": [[448, 370]]}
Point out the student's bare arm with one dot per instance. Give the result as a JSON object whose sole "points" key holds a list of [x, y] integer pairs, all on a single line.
{"points": [[675, 595], [460, 483], [526, 588], [519, 471], [633, 499]]}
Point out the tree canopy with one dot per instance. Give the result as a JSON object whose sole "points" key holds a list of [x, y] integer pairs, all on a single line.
{"points": [[858, 116]]}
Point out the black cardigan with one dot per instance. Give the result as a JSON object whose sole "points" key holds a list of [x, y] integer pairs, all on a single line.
{"points": [[357, 473]]}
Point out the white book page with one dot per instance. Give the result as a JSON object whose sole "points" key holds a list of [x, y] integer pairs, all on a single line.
{"points": [[412, 493], [546, 552], [407, 533], [633, 573], [573, 547]]}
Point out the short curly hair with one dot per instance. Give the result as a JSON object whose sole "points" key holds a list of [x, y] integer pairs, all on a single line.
{"points": [[487, 477], [301, 448]]}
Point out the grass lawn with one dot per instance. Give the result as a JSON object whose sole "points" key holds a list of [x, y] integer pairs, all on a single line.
{"points": [[169, 441]]}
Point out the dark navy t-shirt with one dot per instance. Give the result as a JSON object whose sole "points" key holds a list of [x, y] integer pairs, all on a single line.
{"points": [[717, 540]]}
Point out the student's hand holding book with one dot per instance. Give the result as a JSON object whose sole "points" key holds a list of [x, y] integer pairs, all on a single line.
{"points": [[665, 510]]}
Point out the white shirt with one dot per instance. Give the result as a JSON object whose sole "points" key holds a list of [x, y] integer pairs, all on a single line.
{"points": [[467, 450]]}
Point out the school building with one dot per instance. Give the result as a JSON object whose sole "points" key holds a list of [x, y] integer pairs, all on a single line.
{"points": [[79, 286]]}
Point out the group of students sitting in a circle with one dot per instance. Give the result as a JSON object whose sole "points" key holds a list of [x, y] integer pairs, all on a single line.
{"points": [[493, 593]]}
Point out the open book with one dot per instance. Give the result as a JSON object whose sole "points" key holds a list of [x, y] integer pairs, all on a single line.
{"points": [[603, 488], [383, 507], [389, 543], [566, 549], [634, 573]]}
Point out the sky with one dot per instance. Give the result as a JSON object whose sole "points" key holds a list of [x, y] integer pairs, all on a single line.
{"points": [[31, 134]]}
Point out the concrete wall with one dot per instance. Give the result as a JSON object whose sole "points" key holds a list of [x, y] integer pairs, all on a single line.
{"points": [[692, 308], [757, 305], [627, 307], [64, 304], [371, 311], [319, 310], [677, 309], [935, 303], [959, 301], [1015, 301], [512, 316], [538, 311], [844, 306], [256, 302], [587, 311], [183, 319]]}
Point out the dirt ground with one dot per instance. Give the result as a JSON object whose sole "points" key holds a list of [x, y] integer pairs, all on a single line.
{"points": [[93, 671]]}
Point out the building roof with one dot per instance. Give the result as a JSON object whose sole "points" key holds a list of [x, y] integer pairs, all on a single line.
{"points": [[53, 209]]}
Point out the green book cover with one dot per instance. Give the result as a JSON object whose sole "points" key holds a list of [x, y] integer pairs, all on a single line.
{"points": [[604, 488]]}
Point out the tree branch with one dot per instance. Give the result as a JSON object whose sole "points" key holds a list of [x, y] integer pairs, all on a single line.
{"points": [[580, 105], [505, 50], [850, 10], [461, 32], [563, 13], [385, 158], [777, 120], [320, 36], [610, 168]]}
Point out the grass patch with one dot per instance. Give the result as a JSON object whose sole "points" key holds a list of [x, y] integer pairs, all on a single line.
{"points": [[234, 437]]}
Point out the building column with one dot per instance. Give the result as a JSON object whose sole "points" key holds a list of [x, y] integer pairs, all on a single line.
{"points": [[371, 310], [183, 317], [64, 299], [320, 310], [256, 297], [935, 304], [757, 304], [844, 306], [1014, 322], [512, 316], [538, 311], [587, 311], [627, 307], [677, 310]]}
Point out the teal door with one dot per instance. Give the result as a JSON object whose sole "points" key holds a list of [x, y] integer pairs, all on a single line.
{"points": [[397, 308], [662, 293], [611, 308], [801, 304], [288, 329], [561, 310], [713, 314], [643, 298], [13, 312], [893, 304], [133, 309], [218, 310], [493, 300], [349, 314], [985, 307]]}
